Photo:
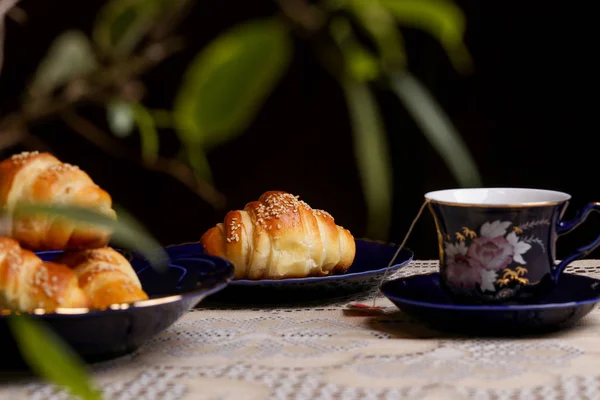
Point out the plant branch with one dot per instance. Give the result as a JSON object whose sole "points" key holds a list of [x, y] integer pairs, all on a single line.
{"points": [[5, 7], [11, 138], [12, 132], [171, 167], [100, 85], [172, 19], [306, 15], [17, 14], [83, 90]]}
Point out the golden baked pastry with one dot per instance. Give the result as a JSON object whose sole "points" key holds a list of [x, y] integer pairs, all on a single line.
{"points": [[27, 282], [105, 276], [40, 178], [280, 237]]}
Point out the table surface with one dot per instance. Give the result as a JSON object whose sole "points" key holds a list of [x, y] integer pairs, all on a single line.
{"points": [[322, 351]]}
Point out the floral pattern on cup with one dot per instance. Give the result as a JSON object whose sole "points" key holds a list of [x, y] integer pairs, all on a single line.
{"points": [[484, 260]]}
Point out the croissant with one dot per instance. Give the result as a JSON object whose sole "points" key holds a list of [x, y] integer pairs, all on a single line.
{"points": [[280, 237], [105, 276], [40, 178], [27, 282]]}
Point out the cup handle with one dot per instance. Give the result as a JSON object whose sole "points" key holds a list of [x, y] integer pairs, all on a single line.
{"points": [[565, 227]]}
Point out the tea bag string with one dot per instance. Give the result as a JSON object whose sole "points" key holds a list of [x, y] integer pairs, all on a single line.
{"points": [[399, 249]]}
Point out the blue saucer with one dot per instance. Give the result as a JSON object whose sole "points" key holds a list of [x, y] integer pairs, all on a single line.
{"points": [[103, 334], [369, 266], [423, 297]]}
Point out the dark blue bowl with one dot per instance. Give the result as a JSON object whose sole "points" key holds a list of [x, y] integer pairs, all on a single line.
{"points": [[369, 267], [99, 335]]}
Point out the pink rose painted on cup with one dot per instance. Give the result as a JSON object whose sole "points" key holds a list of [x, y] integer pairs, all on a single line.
{"points": [[479, 260], [459, 271], [491, 250], [490, 253]]}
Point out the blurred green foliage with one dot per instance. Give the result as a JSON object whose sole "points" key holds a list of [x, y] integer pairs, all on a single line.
{"points": [[226, 85], [49, 357], [228, 81]]}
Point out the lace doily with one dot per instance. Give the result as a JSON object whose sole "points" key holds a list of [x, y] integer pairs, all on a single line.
{"points": [[320, 352]]}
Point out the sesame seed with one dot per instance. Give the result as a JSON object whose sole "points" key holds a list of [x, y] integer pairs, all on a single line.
{"points": [[13, 259], [63, 167], [24, 154], [234, 226], [21, 158], [275, 205], [270, 210], [97, 256], [128, 287], [41, 276], [103, 267], [322, 213]]}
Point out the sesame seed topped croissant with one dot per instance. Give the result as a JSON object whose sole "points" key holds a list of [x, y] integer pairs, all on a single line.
{"points": [[27, 282], [40, 178], [105, 276], [278, 237]]}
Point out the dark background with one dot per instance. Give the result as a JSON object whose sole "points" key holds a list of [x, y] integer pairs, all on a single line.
{"points": [[528, 114]]}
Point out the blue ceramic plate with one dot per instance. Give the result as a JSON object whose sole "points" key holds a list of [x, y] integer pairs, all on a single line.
{"points": [[97, 335], [423, 297], [370, 263]]}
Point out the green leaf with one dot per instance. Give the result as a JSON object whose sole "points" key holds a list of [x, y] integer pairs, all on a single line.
{"points": [[162, 118], [148, 134], [120, 118], [126, 231], [70, 55], [121, 24], [373, 159], [229, 80], [381, 26], [359, 63], [438, 129], [196, 157], [442, 19], [49, 357]]}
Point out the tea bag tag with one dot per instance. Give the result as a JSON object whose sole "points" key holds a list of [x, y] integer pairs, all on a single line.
{"points": [[363, 308], [373, 308]]}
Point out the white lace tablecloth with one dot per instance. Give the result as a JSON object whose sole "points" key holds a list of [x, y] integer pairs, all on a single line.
{"points": [[322, 352]]}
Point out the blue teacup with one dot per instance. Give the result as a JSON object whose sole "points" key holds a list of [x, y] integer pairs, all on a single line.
{"points": [[499, 244]]}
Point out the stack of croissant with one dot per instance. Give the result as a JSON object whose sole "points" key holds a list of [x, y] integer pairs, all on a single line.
{"points": [[88, 273]]}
